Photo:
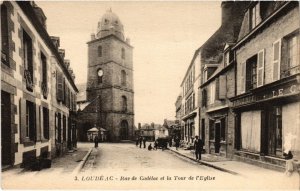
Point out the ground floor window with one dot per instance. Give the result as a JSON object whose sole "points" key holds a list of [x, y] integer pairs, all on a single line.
{"points": [[46, 123], [30, 121], [251, 130]]}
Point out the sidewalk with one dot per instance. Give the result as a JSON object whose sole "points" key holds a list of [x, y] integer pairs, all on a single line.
{"points": [[224, 164], [67, 163]]}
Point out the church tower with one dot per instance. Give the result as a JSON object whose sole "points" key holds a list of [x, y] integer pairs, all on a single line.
{"points": [[110, 78]]}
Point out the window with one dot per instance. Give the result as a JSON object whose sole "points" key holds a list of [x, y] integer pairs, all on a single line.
{"points": [[251, 73], [293, 55], [27, 60], [99, 51], [100, 76], [242, 77], [223, 128], [123, 53], [255, 16], [212, 93], [124, 103], [44, 75], [46, 123], [204, 98], [123, 78], [276, 59], [64, 128], [59, 127], [260, 68], [4, 36], [30, 121], [211, 130]]}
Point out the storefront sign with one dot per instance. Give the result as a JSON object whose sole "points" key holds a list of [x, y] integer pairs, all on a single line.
{"points": [[268, 94]]}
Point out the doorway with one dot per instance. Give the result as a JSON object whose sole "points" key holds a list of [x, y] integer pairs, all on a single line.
{"points": [[217, 136], [124, 130], [6, 138]]}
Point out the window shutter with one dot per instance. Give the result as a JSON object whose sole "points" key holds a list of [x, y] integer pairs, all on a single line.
{"points": [[217, 88], [276, 59], [38, 122], [22, 120], [243, 79], [222, 87], [59, 86], [260, 68]]}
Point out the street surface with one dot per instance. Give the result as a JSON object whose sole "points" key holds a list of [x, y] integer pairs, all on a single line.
{"points": [[125, 166]]}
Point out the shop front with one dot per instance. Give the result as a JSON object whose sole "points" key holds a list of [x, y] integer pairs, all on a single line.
{"points": [[268, 123]]}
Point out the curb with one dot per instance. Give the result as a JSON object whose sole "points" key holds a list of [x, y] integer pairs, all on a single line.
{"points": [[206, 163], [82, 163]]}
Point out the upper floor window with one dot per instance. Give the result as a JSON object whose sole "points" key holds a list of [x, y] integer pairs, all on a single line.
{"points": [[123, 78], [99, 51], [124, 103], [44, 75], [27, 60], [255, 18], [251, 75], [212, 93], [100, 76], [123, 53], [293, 54], [4, 36]]}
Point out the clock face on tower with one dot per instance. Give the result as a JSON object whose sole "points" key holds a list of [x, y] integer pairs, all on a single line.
{"points": [[100, 72]]}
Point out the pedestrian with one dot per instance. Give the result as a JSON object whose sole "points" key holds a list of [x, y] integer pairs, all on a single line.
{"points": [[144, 142], [198, 145], [150, 147], [170, 142], [177, 140], [137, 141], [155, 144], [96, 140], [140, 140]]}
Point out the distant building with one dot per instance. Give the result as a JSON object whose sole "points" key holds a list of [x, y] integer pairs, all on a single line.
{"points": [[108, 98], [37, 88]]}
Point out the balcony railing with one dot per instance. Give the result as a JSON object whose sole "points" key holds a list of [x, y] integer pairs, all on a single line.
{"points": [[290, 71]]}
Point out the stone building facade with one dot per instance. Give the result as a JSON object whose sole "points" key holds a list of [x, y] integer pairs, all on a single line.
{"points": [[109, 92], [30, 63], [267, 97]]}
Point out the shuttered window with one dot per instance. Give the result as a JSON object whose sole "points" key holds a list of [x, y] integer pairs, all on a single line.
{"points": [[242, 78], [59, 86], [260, 68], [276, 59], [212, 93], [27, 121], [222, 87], [217, 88]]}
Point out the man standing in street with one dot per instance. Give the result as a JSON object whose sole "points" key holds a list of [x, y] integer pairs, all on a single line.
{"points": [[198, 144], [140, 140], [144, 142], [177, 140], [96, 140]]}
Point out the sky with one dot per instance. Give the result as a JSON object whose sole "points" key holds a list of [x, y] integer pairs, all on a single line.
{"points": [[164, 35]]}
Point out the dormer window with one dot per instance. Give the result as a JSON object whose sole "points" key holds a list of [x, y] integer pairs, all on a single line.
{"points": [[255, 18]]}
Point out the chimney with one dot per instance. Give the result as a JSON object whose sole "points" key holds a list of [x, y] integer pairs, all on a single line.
{"points": [[55, 41], [73, 76], [93, 37], [67, 63], [62, 53], [226, 12], [40, 14]]}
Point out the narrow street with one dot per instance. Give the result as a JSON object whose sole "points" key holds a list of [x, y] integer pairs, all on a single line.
{"points": [[128, 157]]}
